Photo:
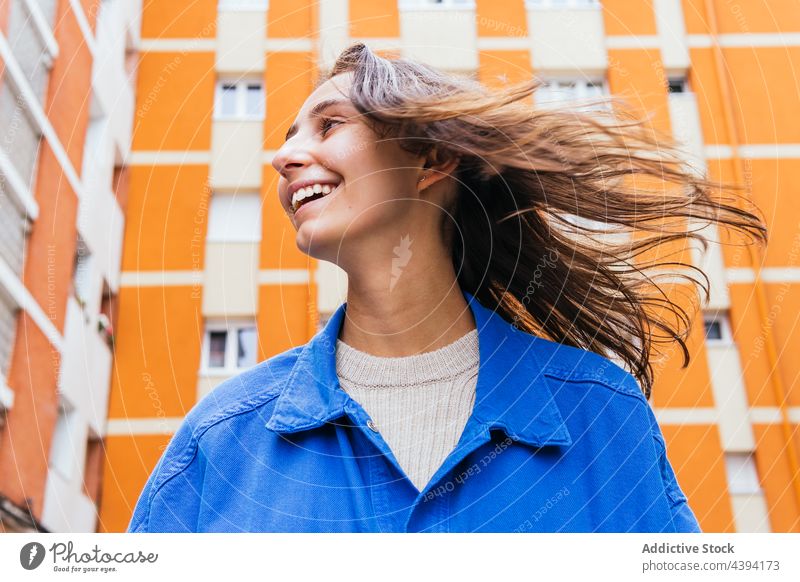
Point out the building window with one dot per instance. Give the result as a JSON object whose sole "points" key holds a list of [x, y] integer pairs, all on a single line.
{"points": [[423, 4], [229, 346], [556, 92], [677, 85], [717, 328], [240, 99], [234, 218], [243, 5], [556, 4], [742, 474]]}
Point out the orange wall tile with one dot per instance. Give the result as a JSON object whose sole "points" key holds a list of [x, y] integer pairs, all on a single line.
{"points": [[289, 81], [497, 68], [623, 17], [291, 18], [699, 463], [764, 96], [129, 462], [158, 352], [282, 318], [638, 77], [773, 469], [51, 245], [27, 435], [751, 16], [278, 247], [166, 218], [175, 102], [374, 18], [170, 19], [772, 188], [751, 332], [67, 99], [762, 114], [703, 79], [674, 385], [501, 18]]}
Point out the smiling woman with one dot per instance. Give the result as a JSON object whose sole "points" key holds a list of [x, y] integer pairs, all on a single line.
{"points": [[499, 257]]}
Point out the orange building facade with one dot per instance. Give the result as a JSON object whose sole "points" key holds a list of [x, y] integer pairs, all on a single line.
{"points": [[212, 282], [65, 124]]}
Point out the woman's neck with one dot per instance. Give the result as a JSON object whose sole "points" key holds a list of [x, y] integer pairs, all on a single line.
{"points": [[411, 319]]}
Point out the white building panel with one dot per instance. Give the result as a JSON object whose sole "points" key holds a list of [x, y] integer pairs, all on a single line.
{"points": [[236, 152], [585, 52], [240, 41], [442, 38]]}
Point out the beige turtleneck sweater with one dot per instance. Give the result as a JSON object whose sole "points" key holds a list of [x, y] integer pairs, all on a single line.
{"points": [[418, 403]]}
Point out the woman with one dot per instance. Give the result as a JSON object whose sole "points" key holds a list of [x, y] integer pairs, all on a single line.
{"points": [[467, 384]]}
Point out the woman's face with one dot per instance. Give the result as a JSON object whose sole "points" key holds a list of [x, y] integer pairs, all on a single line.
{"points": [[373, 183]]}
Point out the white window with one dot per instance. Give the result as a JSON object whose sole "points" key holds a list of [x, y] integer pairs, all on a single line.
{"points": [[423, 4], [563, 91], [229, 346], [234, 218], [243, 5], [556, 4], [717, 328], [240, 99], [742, 474]]}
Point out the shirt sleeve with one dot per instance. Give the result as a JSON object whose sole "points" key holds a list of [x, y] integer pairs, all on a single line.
{"points": [[168, 501]]}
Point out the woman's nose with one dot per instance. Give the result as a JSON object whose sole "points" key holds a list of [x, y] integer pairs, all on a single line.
{"points": [[292, 155]]}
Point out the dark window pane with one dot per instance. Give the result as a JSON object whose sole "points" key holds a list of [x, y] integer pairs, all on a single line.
{"points": [[677, 86], [713, 329], [216, 349]]}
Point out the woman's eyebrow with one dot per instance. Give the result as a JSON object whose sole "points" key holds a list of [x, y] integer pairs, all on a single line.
{"points": [[316, 110]]}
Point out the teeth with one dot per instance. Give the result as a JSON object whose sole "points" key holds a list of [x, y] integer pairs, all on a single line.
{"points": [[303, 193]]}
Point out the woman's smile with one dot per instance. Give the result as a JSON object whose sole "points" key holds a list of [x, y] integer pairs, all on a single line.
{"points": [[316, 200]]}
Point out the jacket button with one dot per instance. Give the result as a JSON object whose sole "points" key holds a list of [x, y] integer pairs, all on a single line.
{"points": [[372, 426]]}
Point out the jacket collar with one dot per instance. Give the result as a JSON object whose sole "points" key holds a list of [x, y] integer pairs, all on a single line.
{"points": [[512, 392]]}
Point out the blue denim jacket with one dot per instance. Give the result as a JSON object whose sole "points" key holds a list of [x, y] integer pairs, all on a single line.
{"points": [[560, 440]]}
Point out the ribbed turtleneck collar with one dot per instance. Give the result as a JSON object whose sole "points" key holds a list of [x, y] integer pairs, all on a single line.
{"points": [[377, 371]]}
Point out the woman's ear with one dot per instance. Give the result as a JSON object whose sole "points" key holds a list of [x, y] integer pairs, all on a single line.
{"points": [[434, 170]]}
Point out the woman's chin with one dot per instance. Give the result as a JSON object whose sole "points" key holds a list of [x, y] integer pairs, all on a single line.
{"points": [[315, 240]]}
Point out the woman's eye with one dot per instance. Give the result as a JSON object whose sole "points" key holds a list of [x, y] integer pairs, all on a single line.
{"points": [[327, 123]]}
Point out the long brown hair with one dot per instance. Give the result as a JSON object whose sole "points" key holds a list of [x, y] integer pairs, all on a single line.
{"points": [[542, 195]]}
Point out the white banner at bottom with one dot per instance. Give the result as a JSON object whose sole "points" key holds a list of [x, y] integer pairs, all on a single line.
{"points": [[408, 557]]}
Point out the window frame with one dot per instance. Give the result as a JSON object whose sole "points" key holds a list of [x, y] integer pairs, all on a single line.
{"points": [[242, 85], [231, 327]]}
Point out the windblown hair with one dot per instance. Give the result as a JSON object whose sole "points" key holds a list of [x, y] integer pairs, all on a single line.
{"points": [[564, 219]]}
